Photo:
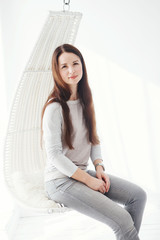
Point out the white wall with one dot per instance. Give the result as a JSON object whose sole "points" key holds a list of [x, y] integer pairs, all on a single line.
{"points": [[124, 31]]}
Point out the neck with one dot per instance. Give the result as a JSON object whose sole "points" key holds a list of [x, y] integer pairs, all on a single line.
{"points": [[74, 93], [73, 97]]}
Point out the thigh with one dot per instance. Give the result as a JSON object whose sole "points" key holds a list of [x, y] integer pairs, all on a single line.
{"points": [[92, 203], [121, 190], [57, 185]]}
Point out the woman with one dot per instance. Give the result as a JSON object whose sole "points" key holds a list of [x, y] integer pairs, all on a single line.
{"points": [[70, 136]]}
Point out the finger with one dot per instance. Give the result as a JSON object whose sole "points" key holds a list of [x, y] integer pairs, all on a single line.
{"points": [[107, 185], [105, 178], [103, 189], [106, 182]]}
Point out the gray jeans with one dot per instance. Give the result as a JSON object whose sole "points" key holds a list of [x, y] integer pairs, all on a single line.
{"points": [[124, 220]]}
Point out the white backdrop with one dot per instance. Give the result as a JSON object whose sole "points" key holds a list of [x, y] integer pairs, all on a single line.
{"points": [[120, 43]]}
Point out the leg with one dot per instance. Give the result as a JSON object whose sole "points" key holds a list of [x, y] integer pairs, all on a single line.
{"points": [[94, 204], [130, 195]]}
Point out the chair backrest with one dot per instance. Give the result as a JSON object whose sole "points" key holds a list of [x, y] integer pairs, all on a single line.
{"points": [[22, 151]]}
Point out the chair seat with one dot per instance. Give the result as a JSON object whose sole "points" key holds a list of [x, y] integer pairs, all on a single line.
{"points": [[29, 187]]}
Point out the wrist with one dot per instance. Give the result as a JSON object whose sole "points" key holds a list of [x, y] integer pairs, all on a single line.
{"points": [[99, 169], [82, 176], [99, 166], [88, 179]]}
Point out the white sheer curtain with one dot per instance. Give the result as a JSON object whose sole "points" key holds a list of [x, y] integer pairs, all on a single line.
{"points": [[128, 117]]}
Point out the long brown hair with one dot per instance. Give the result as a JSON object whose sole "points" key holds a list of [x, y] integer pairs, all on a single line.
{"points": [[61, 93]]}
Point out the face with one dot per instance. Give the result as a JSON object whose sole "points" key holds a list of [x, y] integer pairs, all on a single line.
{"points": [[70, 68]]}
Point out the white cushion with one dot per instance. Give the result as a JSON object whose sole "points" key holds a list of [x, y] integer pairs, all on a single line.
{"points": [[29, 188]]}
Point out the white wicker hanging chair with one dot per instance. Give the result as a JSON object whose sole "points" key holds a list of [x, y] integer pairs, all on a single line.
{"points": [[24, 159]]}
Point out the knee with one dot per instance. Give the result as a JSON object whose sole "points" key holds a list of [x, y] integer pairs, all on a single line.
{"points": [[141, 196]]}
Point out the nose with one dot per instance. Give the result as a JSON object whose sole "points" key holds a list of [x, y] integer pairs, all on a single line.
{"points": [[71, 70]]}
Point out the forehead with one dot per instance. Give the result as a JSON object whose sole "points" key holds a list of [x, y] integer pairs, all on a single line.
{"points": [[67, 58]]}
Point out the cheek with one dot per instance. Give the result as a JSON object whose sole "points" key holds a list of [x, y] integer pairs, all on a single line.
{"points": [[80, 71], [63, 75]]}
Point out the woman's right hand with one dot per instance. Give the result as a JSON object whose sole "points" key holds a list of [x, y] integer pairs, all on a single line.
{"points": [[92, 182], [96, 184]]}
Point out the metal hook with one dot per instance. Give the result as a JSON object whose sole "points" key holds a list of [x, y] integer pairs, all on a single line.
{"points": [[66, 6]]}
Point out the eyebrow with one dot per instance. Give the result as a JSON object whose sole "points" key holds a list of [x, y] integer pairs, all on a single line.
{"points": [[73, 62]]}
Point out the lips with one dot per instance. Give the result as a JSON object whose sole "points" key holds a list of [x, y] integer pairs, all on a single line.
{"points": [[73, 77]]}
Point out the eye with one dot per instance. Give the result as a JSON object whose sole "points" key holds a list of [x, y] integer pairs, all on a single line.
{"points": [[63, 66], [76, 63]]}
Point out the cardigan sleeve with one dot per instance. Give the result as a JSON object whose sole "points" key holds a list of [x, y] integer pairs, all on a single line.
{"points": [[52, 134], [95, 152]]}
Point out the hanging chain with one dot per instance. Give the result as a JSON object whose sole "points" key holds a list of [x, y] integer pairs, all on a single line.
{"points": [[66, 5]]}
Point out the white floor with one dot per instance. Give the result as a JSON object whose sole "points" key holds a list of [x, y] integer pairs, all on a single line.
{"points": [[73, 225]]}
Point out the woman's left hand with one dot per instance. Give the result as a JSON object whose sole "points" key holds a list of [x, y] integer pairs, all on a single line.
{"points": [[100, 174]]}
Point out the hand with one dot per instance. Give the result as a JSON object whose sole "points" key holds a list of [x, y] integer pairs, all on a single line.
{"points": [[100, 174], [96, 184]]}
